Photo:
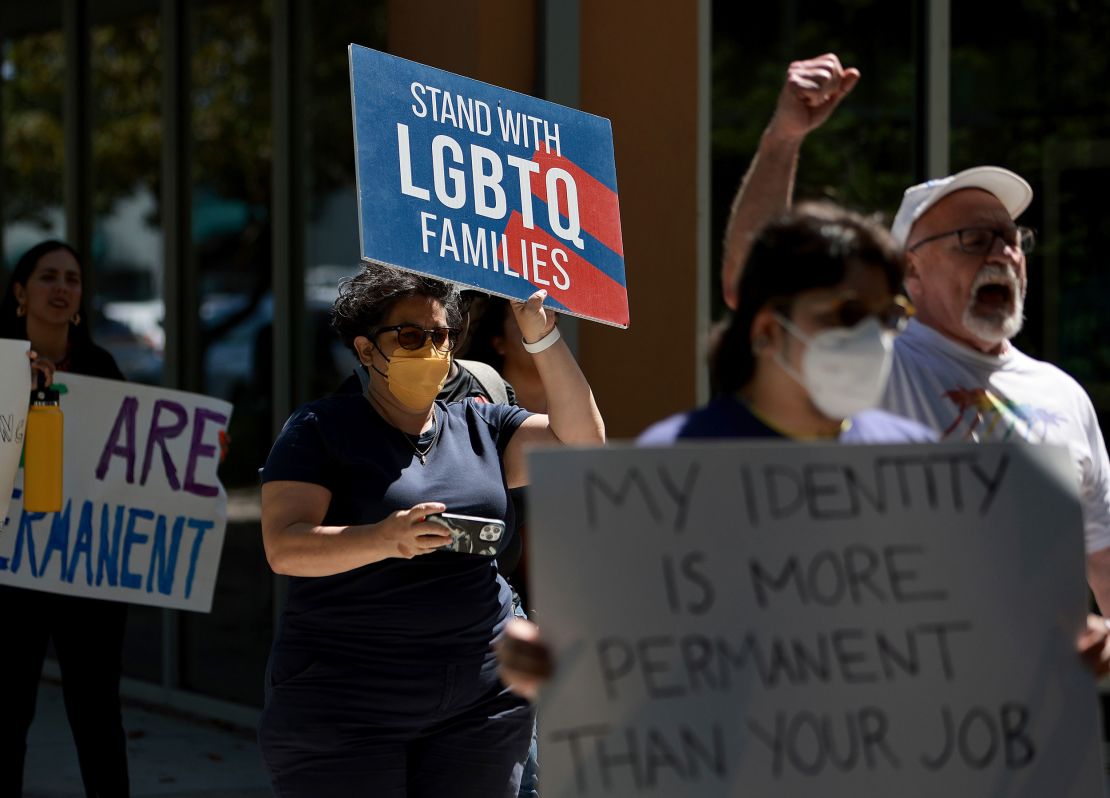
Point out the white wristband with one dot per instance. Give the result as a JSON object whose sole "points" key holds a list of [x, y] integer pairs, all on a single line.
{"points": [[543, 343]]}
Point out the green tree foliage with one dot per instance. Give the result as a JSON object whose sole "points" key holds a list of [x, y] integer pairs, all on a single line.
{"points": [[863, 155], [230, 110], [33, 138], [125, 82], [1027, 94]]}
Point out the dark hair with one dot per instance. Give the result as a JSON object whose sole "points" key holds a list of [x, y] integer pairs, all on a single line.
{"points": [[490, 312], [810, 246], [13, 326], [367, 298]]}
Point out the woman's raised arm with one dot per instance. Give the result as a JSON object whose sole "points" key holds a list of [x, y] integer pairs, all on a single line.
{"points": [[572, 416]]}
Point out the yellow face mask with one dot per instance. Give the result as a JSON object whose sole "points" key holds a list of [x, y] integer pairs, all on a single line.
{"points": [[416, 376]]}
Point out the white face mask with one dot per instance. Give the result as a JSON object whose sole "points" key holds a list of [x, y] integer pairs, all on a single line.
{"points": [[844, 369]]}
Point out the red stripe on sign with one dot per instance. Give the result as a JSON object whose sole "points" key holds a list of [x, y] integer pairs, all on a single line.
{"points": [[597, 203], [547, 262]]}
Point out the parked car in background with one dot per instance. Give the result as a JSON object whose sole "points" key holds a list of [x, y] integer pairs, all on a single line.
{"points": [[136, 356], [231, 354], [238, 358]]}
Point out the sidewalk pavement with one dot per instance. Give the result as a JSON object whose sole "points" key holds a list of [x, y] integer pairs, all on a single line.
{"points": [[169, 756]]}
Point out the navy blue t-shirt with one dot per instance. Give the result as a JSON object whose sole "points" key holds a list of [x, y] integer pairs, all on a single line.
{"points": [[728, 417], [442, 605]]}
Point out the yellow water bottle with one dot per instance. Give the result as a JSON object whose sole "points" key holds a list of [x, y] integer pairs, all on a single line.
{"points": [[42, 452]]}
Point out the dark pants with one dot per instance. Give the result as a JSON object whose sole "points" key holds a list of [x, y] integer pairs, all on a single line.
{"points": [[88, 639], [530, 780], [333, 727]]}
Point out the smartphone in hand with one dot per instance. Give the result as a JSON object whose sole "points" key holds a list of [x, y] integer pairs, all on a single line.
{"points": [[470, 534]]}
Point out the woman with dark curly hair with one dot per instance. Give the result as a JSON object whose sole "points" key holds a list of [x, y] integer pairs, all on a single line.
{"points": [[381, 680], [44, 304]]}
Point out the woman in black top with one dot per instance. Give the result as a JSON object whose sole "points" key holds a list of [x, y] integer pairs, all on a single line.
{"points": [[381, 680], [44, 304]]}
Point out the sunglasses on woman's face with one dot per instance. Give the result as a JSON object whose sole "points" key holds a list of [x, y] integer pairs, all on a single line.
{"points": [[413, 336], [893, 317]]}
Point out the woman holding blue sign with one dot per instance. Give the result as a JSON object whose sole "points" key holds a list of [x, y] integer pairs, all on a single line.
{"points": [[381, 680], [44, 304]]}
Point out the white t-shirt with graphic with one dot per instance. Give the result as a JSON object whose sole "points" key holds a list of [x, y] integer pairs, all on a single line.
{"points": [[966, 395]]}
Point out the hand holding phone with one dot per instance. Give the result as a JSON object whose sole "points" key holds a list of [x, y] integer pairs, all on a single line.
{"points": [[470, 534]]}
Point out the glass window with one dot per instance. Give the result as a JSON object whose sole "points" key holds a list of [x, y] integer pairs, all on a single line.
{"points": [[125, 111], [223, 654], [126, 258], [331, 235]]}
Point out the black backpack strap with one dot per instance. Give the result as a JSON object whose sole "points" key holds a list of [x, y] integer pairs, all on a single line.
{"points": [[488, 378]]}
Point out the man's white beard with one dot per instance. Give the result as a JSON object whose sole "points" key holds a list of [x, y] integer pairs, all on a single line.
{"points": [[995, 325]]}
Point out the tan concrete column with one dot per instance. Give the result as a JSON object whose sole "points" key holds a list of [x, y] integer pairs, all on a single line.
{"points": [[489, 40], [639, 68]]}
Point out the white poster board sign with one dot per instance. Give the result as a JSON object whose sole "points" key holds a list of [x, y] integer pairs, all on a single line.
{"points": [[786, 620], [143, 512], [15, 392]]}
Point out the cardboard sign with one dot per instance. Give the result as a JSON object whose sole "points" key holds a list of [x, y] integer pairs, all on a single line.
{"points": [[486, 187], [787, 620], [143, 513], [15, 388]]}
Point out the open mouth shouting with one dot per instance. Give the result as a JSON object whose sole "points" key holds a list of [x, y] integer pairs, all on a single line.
{"points": [[996, 306], [997, 288]]}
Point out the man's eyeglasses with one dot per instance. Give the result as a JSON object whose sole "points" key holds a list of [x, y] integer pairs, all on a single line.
{"points": [[979, 240], [413, 336]]}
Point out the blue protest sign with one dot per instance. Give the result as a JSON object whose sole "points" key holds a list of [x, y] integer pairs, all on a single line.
{"points": [[486, 187]]}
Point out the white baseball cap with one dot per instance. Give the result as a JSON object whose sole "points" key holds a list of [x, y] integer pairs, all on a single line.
{"points": [[1011, 189]]}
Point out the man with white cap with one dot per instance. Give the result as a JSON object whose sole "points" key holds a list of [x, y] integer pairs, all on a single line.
{"points": [[954, 367]]}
